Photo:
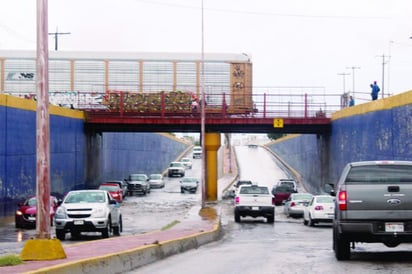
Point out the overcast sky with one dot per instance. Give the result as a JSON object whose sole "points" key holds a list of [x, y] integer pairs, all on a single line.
{"points": [[291, 43]]}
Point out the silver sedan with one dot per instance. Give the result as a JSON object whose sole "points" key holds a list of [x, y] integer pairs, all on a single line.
{"points": [[296, 203]]}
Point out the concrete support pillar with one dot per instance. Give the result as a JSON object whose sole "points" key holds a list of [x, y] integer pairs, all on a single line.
{"points": [[212, 144]]}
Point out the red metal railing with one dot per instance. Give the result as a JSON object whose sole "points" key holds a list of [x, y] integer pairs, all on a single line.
{"points": [[258, 105]]}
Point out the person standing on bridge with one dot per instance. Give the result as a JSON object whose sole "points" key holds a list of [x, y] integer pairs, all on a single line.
{"points": [[351, 101], [375, 90], [194, 105]]}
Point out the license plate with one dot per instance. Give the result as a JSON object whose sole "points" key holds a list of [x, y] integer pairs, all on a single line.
{"points": [[32, 218], [78, 222], [394, 227], [255, 208]]}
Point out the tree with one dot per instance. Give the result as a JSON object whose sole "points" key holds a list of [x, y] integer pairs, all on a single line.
{"points": [[274, 136]]}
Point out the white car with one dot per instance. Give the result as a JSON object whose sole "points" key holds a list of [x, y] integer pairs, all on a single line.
{"points": [[156, 180], [320, 209], [187, 163], [176, 168], [88, 211], [289, 182]]}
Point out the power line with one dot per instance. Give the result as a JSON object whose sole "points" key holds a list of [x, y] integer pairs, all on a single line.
{"points": [[56, 36]]}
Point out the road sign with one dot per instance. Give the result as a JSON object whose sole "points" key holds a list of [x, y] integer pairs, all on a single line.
{"points": [[277, 123]]}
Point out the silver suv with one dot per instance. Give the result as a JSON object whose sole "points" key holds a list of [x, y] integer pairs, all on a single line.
{"points": [[373, 205], [88, 211]]}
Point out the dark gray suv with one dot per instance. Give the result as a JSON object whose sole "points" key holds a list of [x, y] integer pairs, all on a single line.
{"points": [[373, 205]]}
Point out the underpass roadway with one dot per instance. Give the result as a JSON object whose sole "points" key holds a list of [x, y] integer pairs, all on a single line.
{"points": [[121, 254]]}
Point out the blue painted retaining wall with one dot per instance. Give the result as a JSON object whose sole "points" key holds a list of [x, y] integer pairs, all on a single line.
{"points": [[126, 153], [18, 150], [77, 160], [378, 130]]}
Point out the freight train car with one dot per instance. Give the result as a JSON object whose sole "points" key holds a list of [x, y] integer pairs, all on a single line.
{"points": [[134, 82]]}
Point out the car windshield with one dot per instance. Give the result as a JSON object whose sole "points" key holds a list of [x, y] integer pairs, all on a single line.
{"points": [[399, 174], [239, 183], [137, 177], [85, 197], [325, 200], [254, 190], [188, 179], [109, 187], [283, 188], [176, 164], [302, 196], [155, 176], [33, 201], [185, 160]]}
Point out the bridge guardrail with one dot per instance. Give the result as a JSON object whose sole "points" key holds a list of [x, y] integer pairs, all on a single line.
{"points": [[180, 103]]}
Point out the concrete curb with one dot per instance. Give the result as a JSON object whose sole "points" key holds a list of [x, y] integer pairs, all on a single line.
{"points": [[135, 258]]}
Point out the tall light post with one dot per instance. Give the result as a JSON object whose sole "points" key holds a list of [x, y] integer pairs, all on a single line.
{"points": [[202, 113]]}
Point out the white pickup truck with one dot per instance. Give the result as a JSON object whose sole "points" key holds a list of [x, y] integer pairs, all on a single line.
{"points": [[254, 201]]}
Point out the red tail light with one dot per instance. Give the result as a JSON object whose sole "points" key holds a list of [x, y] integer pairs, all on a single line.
{"points": [[318, 207], [237, 199], [292, 204], [273, 200], [342, 200]]}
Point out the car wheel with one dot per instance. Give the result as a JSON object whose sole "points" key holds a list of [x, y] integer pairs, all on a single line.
{"points": [[182, 190], [106, 230], [270, 219], [311, 222], [305, 222], [340, 246], [117, 229], [60, 234], [237, 216]]}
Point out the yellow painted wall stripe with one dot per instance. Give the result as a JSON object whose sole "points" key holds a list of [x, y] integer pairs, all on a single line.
{"points": [[382, 104], [26, 104]]}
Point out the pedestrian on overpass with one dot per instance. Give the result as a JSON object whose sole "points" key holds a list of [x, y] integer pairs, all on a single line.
{"points": [[351, 101], [375, 90]]}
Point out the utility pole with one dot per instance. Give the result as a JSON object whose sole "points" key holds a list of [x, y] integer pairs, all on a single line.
{"points": [[343, 74], [353, 79], [56, 36], [384, 62]]}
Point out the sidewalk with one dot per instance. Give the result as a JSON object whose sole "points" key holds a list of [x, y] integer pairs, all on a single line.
{"points": [[122, 254]]}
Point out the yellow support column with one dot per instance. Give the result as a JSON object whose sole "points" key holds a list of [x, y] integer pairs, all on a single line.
{"points": [[212, 144]]}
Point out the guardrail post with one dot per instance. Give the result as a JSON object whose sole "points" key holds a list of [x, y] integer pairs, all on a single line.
{"points": [[264, 105], [224, 105], [163, 105], [121, 104], [306, 105]]}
